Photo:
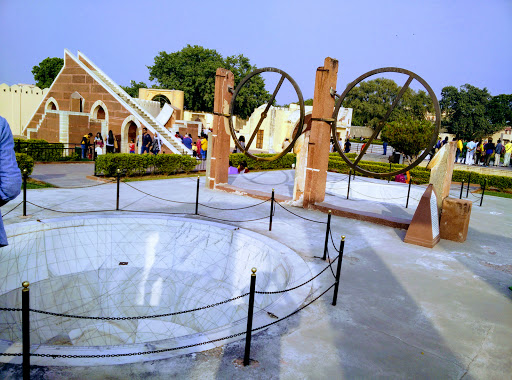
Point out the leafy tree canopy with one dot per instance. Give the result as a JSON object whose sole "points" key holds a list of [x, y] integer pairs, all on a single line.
{"points": [[466, 112], [408, 136], [371, 100], [499, 110], [47, 70], [133, 88], [192, 70]]}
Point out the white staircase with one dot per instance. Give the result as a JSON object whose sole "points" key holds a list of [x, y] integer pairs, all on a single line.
{"points": [[173, 143]]}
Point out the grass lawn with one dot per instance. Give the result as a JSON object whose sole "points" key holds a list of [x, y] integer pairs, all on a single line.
{"points": [[35, 184], [496, 193]]}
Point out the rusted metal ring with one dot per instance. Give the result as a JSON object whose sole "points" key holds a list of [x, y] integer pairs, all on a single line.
{"points": [[301, 118], [433, 139]]}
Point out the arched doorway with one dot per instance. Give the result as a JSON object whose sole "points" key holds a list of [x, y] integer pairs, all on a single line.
{"points": [[100, 113], [132, 133]]}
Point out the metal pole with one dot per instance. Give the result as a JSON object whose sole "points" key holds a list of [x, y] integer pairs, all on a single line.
{"points": [[338, 272], [118, 180], [389, 178], [247, 355], [197, 195], [327, 235], [408, 193], [25, 329], [469, 181], [349, 175], [24, 192], [271, 210], [461, 189], [483, 191]]}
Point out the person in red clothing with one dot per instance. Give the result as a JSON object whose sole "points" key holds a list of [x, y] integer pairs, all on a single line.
{"points": [[198, 145]]}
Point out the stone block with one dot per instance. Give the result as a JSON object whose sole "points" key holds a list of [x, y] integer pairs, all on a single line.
{"points": [[455, 219]]}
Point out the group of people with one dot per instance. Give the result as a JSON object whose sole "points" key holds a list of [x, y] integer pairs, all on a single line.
{"points": [[199, 148], [482, 152], [95, 147]]}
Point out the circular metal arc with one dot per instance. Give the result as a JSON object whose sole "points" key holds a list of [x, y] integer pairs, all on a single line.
{"points": [[301, 109], [433, 139]]}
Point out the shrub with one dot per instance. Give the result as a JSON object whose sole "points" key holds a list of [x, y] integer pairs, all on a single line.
{"points": [[39, 150], [25, 162], [284, 162], [138, 164]]}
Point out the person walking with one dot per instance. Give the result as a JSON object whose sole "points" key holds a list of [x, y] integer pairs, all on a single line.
{"points": [[10, 175], [471, 146], [459, 150], [110, 142], [489, 151], [146, 141], [156, 146], [98, 144], [204, 146], [385, 147], [198, 146], [508, 151], [86, 141], [499, 149]]}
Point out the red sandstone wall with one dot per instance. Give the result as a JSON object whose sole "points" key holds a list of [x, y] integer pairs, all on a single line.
{"points": [[49, 130], [74, 78]]}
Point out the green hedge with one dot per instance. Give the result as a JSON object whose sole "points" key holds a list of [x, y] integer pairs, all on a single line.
{"points": [[25, 162], [421, 175], [139, 164], [39, 150], [284, 162], [375, 141]]}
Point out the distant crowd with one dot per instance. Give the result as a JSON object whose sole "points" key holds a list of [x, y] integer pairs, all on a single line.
{"points": [[481, 152]]}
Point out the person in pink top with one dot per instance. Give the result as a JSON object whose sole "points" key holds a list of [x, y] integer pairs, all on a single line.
{"points": [[198, 145]]}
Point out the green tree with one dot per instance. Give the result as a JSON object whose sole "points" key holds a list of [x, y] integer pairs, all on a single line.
{"points": [[466, 112], [47, 70], [253, 94], [371, 100], [192, 70], [499, 110], [133, 88], [408, 136]]}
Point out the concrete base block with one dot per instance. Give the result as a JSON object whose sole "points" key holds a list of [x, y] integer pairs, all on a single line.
{"points": [[455, 219]]}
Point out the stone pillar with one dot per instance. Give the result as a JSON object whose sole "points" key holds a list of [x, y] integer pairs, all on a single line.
{"points": [[441, 171], [318, 145], [219, 143]]}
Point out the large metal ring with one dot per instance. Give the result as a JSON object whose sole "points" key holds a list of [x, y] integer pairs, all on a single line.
{"points": [[298, 131], [433, 139]]}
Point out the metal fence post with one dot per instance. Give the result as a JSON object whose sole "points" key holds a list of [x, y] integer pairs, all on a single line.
{"points": [[271, 210], [389, 178], [408, 193], [469, 181], [24, 192], [461, 189], [327, 230], [197, 195], [25, 329], [349, 175], [247, 355], [483, 191], [118, 180], [338, 272]]}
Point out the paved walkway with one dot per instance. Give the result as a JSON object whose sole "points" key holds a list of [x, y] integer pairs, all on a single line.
{"points": [[403, 312], [65, 175]]}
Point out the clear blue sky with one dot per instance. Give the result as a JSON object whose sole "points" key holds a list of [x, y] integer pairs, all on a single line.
{"points": [[445, 42]]}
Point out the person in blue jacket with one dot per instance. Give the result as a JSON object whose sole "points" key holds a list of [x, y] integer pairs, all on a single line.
{"points": [[10, 175]]}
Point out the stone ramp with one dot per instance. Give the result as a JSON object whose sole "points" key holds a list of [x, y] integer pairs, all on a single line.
{"points": [[65, 174]]}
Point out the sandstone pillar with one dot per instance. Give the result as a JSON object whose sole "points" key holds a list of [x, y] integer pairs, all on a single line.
{"points": [[441, 171], [318, 144], [219, 143]]}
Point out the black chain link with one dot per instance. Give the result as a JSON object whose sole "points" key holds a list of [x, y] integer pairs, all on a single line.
{"points": [[12, 209], [9, 309], [154, 196], [138, 317], [311, 220], [233, 221], [234, 209], [68, 212], [332, 241], [298, 286]]}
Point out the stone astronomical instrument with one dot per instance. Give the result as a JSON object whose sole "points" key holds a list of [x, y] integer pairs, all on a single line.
{"points": [[298, 131], [428, 148], [232, 109]]}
